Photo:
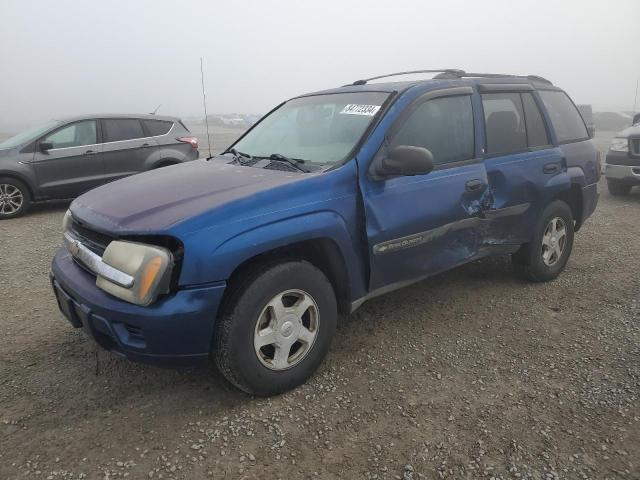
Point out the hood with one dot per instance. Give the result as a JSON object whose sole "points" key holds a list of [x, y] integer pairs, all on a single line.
{"points": [[154, 201], [632, 131], [7, 152]]}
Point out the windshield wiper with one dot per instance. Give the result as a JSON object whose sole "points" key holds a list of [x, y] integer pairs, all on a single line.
{"points": [[238, 156], [294, 162]]}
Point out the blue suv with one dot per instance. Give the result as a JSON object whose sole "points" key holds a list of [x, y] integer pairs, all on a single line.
{"points": [[334, 197]]}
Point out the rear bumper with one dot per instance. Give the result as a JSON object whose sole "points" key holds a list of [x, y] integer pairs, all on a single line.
{"points": [[625, 173], [175, 331], [590, 196]]}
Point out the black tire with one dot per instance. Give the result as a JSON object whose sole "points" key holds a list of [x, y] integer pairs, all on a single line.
{"points": [[530, 256], [25, 196], [165, 164], [618, 188], [233, 343]]}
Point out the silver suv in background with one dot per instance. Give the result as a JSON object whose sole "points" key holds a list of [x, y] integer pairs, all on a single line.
{"points": [[64, 158], [622, 169]]}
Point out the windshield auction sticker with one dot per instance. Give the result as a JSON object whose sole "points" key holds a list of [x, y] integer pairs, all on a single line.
{"points": [[354, 109]]}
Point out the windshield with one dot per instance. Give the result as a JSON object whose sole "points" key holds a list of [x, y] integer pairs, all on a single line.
{"points": [[28, 135], [320, 129]]}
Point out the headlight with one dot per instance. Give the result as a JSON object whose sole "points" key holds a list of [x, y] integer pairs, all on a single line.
{"points": [[66, 221], [150, 267], [619, 145]]}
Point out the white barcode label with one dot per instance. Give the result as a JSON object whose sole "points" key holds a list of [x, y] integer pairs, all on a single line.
{"points": [[354, 109]]}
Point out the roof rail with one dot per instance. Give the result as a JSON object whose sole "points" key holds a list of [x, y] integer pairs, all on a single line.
{"points": [[534, 78], [455, 73], [445, 70]]}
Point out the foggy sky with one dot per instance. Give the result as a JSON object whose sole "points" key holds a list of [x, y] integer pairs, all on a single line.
{"points": [[68, 57]]}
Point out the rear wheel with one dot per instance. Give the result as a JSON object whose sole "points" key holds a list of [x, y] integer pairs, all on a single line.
{"points": [[618, 188], [277, 328], [546, 256], [14, 198]]}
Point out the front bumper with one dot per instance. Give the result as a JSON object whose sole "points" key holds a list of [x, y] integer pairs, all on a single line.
{"points": [[174, 331], [626, 173]]}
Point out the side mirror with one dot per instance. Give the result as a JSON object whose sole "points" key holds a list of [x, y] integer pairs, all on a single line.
{"points": [[44, 146], [405, 160], [636, 119], [591, 129]]}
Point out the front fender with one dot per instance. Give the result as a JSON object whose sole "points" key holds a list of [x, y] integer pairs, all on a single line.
{"points": [[228, 255]]}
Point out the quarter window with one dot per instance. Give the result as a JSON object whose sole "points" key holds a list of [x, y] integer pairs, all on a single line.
{"points": [[118, 129], [157, 127], [443, 126], [536, 132], [564, 115], [504, 123], [74, 135]]}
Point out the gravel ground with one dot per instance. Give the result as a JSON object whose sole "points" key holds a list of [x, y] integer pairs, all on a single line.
{"points": [[472, 374]]}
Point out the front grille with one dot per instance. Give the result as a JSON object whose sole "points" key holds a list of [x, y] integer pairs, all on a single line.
{"points": [[94, 241], [635, 146]]}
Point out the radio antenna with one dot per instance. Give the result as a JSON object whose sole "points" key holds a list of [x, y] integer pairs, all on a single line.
{"points": [[204, 102], [155, 111], [635, 100]]}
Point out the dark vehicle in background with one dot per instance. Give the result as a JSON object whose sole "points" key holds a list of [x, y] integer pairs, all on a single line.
{"points": [[333, 198], [622, 168], [64, 158]]}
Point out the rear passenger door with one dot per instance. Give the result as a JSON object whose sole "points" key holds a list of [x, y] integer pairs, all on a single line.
{"points": [[524, 169], [127, 148]]}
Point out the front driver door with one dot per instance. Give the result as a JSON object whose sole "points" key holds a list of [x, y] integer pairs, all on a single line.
{"points": [[420, 225], [74, 163]]}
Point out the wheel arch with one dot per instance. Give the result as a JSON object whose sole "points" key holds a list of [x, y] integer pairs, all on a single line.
{"points": [[21, 179], [573, 198], [322, 252]]}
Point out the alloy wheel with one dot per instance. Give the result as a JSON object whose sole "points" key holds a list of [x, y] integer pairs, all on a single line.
{"points": [[554, 241], [286, 329], [11, 199]]}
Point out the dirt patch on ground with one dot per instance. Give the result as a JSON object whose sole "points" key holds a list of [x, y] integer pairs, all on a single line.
{"points": [[472, 374]]}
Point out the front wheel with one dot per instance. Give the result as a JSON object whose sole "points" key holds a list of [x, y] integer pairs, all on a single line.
{"points": [[277, 328], [546, 256], [617, 188], [14, 198]]}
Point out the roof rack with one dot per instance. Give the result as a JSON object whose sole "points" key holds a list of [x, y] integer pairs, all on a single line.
{"points": [[444, 70], [455, 73]]}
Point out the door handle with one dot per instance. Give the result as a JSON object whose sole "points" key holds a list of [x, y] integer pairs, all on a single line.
{"points": [[145, 145], [90, 152], [551, 168], [474, 185]]}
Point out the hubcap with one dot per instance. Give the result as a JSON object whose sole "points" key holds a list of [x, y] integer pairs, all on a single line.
{"points": [[286, 329], [10, 199], [554, 241]]}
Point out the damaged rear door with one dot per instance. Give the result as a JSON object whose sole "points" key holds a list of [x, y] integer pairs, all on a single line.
{"points": [[423, 224]]}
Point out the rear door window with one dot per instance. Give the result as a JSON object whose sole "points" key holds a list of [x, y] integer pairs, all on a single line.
{"points": [[119, 129], [157, 127], [504, 123], [536, 131], [564, 115], [443, 126], [75, 135]]}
